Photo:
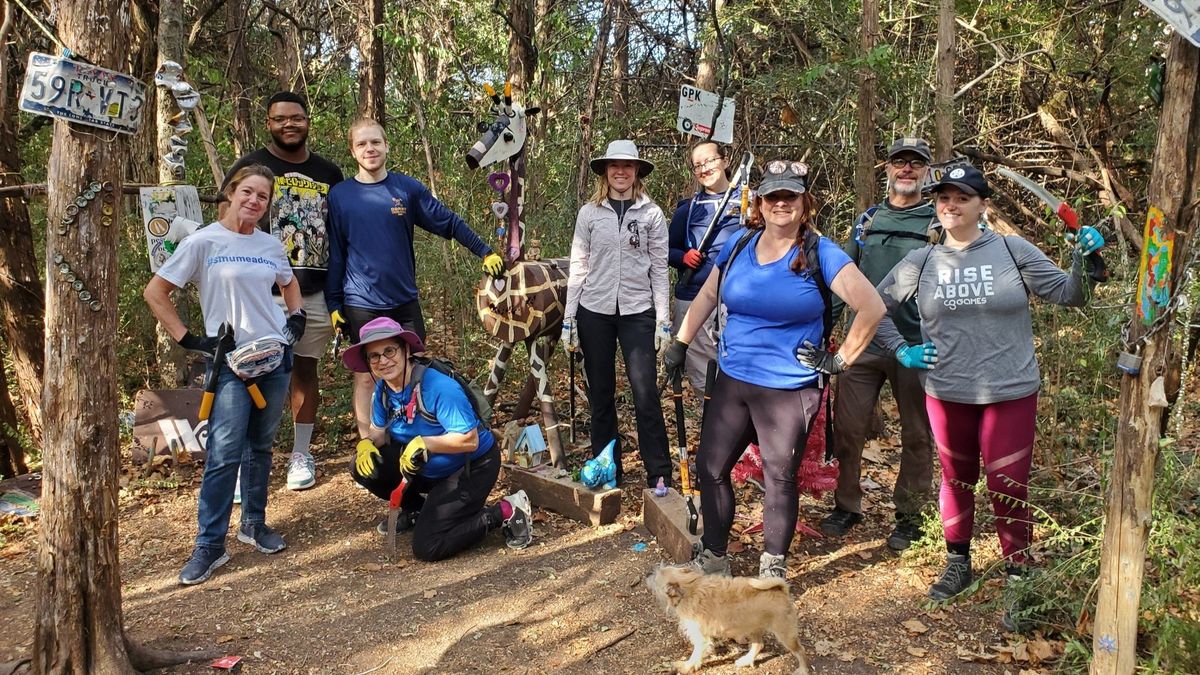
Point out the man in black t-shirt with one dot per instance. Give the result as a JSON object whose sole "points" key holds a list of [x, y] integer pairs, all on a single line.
{"points": [[298, 218]]}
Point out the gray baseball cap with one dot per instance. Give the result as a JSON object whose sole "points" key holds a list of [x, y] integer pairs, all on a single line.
{"points": [[910, 144]]}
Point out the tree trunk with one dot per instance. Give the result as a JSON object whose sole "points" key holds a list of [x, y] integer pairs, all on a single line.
{"points": [[620, 67], [522, 52], [710, 57], [1173, 186], [172, 361], [589, 121], [236, 13], [372, 74], [288, 69], [864, 169], [21, 306], [12, 455], [944, 97]]}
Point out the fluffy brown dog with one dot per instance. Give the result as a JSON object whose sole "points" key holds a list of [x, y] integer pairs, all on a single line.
{"points": [[741, 608]]}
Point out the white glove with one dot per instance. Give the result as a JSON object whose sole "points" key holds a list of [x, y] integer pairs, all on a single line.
{"points": [[662, 338], [570, 339]]}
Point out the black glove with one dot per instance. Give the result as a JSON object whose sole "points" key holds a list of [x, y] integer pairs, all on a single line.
{"points": [[674, 358], [819, 360], [293, 330], [201, 345]]}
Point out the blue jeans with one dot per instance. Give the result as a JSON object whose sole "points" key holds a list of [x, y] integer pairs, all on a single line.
{"points": [[239, 435]]}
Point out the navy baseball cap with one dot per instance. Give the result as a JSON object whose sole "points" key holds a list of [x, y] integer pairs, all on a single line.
{"points": [[965, 177]]}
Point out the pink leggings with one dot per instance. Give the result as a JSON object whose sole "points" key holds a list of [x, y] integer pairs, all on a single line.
{"points": [[1002, 435]]}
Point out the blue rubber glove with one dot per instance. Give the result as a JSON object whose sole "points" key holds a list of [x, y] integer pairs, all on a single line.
{"points": [[922, 357], [1087, 240]]}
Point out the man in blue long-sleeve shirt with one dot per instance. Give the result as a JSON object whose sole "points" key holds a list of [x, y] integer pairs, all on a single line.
{"points": [[372, 266]]}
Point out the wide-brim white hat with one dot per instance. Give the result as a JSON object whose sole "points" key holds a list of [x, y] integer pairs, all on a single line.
{"points": [[622, 149]]}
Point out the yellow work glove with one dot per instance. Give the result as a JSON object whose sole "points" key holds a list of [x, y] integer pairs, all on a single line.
{"points": [[338, 321], [493, 265], [414, 456], [367, 459]]}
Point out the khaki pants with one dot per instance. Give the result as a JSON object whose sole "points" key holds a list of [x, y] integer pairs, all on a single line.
{"points": [[702, 348], [857, 393]]}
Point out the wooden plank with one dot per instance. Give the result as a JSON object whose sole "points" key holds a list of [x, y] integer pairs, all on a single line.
{"points": [[564, 496], [667, 519]]}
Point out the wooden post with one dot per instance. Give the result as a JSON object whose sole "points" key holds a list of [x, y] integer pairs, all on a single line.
{"points": [[1174, 186], [944, 98]]}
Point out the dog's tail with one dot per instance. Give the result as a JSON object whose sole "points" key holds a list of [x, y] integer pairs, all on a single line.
{"points": [[771, 584]]}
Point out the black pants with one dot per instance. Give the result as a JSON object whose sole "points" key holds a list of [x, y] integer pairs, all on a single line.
{"points": [[782, 418], [453, 517], [598, 338], [407, 315]]}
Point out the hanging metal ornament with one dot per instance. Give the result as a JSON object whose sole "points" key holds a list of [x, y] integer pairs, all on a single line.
{"points": [[170, 76], [500, 209], [499, 181]]}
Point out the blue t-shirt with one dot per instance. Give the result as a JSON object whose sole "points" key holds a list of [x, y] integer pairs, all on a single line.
{"points": [[688, 225], [443, 399], [772, 310], [371, 259]]}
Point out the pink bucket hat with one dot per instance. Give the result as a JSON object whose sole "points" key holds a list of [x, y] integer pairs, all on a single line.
{"points": [[380, 328]]}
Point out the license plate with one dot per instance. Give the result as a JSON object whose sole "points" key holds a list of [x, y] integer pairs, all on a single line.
{"points": [[82, 93]]}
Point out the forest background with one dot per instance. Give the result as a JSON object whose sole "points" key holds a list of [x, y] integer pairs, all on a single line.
{"points": [[1067, 92]]}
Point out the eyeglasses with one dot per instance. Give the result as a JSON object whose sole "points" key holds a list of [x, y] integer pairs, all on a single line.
{"points": [[899, 163], [635, 236], [703, 167], [782, 166], [388, 353], [283, 119]]}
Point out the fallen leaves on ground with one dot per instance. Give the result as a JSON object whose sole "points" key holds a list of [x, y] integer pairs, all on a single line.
{"points": [[914, 626]]}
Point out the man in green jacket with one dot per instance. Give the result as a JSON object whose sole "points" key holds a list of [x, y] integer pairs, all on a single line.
{"points": [[882, 235]]}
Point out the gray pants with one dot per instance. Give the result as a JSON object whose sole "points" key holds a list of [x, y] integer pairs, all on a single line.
{"points": [[702, 348], [857, 393]]}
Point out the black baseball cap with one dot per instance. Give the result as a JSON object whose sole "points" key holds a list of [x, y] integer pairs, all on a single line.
{"points": [[783, 174], [965, 177], [910, 144]]}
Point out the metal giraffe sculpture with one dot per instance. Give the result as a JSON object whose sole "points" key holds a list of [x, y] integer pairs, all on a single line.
{"points": [[526, 304]]}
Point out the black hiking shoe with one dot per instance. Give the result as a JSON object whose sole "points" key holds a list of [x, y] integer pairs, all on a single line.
{"points": [[1014, 620], [908, 529], [406, 521], [955, 579], [839, 522]]}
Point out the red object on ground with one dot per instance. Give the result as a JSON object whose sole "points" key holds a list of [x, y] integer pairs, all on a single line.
{"points": [[226, 662], [814, 476]]}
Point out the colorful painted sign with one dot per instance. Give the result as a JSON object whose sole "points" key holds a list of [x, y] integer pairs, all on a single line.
{"points": [[696, 108], [1154, 272], [160, 206], [82, 93]]}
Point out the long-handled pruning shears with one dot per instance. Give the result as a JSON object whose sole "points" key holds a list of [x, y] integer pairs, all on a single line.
{"points": [[1098, 271], [740, 181], [685, 476]]}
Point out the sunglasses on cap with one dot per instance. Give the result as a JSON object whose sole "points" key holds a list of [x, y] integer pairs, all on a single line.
{"points": [[779, 166]]}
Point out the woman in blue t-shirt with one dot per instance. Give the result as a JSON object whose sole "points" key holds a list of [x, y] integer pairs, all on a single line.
{"points": [[424, 430], [771, 370]]}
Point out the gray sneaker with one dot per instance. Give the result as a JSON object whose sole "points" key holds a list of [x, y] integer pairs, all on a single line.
{"points": [[772, 566], [237, 488], [707, 562], [518, 528], [202, 564], [954, 580], [261, 537], [302, 471]]}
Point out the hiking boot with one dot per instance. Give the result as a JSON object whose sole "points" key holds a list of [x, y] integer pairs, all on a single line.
{"points": [[237, 488], [772, 566], [202, 564], [1013, 620], [839, 522], [907, 530], [707, 562], [518, 528], [406, 521], [261, 537], [302, 471], [954, 580]]}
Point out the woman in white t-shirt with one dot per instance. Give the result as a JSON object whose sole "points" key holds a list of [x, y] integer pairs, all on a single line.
{"points": [[234, 265]]}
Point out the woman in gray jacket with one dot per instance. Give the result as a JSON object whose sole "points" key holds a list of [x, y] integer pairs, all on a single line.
{"points": [[618, 293]]}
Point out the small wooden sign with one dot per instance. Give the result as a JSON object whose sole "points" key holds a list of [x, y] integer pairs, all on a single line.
{"points": [[167, 422]]}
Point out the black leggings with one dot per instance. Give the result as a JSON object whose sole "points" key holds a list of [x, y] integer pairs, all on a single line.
{"points": [[407, 315], [453, 517], [781, 417]]}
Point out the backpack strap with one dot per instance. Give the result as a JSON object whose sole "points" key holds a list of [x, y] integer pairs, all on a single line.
{"points": [[737, 250], [812, 256], [418, 375], [1008, 248]]}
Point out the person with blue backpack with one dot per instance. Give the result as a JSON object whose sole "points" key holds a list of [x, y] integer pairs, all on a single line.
{"points": [[881, 237], [425, 430], [685, 237], [776, 279]]}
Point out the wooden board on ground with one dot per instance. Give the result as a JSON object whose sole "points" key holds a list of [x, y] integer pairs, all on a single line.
{"points": [[565, 496], [667, 518], [167, 422]]}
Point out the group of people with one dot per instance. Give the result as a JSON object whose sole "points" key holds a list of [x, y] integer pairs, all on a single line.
{"points": [[938, 305]]}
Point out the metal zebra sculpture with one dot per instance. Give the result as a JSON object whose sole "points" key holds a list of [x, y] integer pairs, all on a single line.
{"points": [[527, 303]]}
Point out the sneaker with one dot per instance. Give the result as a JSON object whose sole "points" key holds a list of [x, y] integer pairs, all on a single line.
{"points": [[261, 537], [839, 522], [772, 566], [202, 564], [518, 528], [907, 530], [302, 471], [237, 488], [404, 523], [954, 580], [707, 562]]}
